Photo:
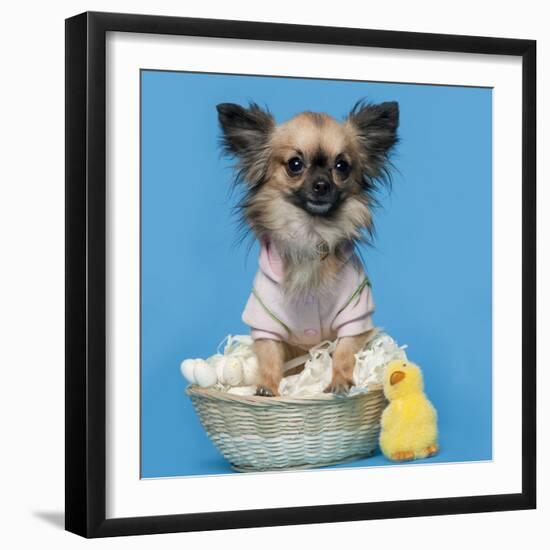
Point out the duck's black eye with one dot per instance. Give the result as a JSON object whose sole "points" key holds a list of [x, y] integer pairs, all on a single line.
{"points": [[342, 167], [295, 165]]}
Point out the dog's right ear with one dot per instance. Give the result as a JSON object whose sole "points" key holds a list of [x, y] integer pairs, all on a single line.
{"points": [[246, 135]]}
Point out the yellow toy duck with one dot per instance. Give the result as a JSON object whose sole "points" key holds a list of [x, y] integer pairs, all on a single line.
{"points": [[409, 422]]}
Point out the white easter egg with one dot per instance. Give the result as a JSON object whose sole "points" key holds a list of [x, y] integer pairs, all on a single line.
{"points": [[204, 374], [232, 371], [218, 362], [187, 368], [251, 371]]}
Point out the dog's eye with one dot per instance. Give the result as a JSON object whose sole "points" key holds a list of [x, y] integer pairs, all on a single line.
{"points": [[342, 167], [295, 165]]}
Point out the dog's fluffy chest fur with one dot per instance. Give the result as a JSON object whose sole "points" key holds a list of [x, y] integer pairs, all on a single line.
{"points": [[310, 264], [313, 249]]}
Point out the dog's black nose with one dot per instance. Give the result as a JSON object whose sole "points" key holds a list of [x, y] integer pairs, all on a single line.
{"points": [[321, 187]]}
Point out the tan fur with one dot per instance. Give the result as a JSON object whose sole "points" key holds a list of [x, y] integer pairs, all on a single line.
{"points": [[343, 360], [296, 233], [312, 246], [311, 242], [305, 135], [272, 355], [308, 132]]}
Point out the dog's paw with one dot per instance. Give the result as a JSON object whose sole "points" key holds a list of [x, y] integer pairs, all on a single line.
{"points": [[340, 387], [264, 391]]}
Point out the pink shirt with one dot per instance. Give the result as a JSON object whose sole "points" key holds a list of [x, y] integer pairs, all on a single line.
{"points": [[309, 320]]}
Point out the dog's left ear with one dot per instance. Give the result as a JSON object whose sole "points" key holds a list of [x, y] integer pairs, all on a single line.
{"points": [[376, 127], [246, 133]]}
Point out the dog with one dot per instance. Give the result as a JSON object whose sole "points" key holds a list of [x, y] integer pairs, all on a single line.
{"points": [[309, 194]]}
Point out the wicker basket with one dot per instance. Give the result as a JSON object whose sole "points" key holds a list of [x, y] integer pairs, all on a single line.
{"points": [[272, 433]]}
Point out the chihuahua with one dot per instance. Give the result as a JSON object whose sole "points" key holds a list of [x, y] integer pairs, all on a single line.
{"points": [[309, 191]]}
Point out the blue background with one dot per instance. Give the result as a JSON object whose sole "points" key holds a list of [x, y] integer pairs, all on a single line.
{"points": [[430, 264]]}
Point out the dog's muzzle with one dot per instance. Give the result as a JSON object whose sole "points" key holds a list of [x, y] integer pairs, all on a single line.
{"points": [[318, 197]]}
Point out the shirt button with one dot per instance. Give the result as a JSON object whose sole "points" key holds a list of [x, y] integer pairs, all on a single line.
{"points": [[311, 332]]}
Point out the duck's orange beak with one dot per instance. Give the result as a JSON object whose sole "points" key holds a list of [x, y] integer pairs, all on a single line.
{"points": [[396, 377]]}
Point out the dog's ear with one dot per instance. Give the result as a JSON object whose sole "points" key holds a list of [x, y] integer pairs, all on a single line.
{"points": [[246, 135], [376, 127]]}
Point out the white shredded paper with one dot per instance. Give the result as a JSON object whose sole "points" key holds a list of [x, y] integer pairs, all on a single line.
{"points": [[235, 369]]}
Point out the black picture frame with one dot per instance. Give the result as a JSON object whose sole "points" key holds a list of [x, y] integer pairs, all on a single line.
{"points": [[86, 273]]}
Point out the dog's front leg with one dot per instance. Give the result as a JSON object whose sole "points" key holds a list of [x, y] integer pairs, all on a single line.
{"points": [[271, 358], [343, 361]]}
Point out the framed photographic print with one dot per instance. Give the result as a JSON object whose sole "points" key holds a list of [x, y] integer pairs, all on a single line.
{"points": [[300, 274]]}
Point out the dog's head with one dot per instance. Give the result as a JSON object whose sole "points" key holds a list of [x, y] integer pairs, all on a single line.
{"points": [[311, 173]]}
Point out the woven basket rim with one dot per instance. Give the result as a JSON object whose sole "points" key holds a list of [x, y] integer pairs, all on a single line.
{"points": [[261, 401]]}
